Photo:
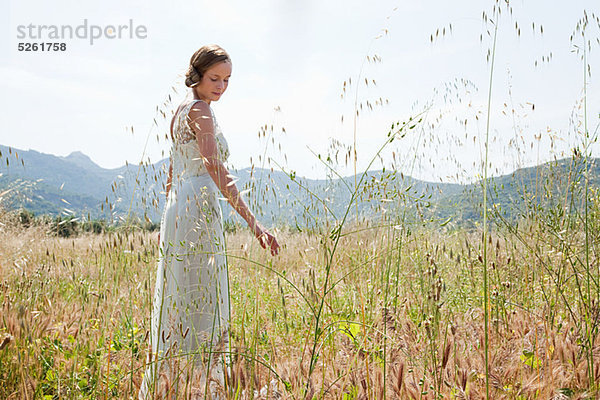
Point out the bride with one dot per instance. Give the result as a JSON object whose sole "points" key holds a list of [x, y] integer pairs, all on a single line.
{"points": [[190, 318]]}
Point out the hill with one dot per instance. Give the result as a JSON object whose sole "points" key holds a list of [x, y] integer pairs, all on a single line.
{"points": [[75, 185]]}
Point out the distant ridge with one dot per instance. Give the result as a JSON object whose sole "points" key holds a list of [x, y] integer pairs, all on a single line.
{"points": [[75, 185]]}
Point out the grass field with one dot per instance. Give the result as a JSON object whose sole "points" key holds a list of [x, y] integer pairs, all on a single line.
{"points": [[402, 315]]}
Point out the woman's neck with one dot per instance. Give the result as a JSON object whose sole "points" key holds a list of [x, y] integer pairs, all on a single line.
{"points": [[196, 97]]}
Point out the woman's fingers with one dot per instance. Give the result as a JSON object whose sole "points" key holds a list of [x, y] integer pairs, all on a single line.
{"points": [[274, 245], [267, 239]]}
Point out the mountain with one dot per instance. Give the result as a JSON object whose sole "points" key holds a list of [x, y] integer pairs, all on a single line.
{"points": [[48, 184], [75, 185], [550, 187]]}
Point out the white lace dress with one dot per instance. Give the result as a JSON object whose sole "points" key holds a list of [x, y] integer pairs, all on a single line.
{"points": [[189, 332]]}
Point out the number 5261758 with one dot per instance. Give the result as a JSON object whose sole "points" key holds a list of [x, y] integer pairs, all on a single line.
{"points": [[42, 46]]}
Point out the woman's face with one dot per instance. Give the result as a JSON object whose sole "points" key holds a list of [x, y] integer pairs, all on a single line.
{"points": [[214, 82]]}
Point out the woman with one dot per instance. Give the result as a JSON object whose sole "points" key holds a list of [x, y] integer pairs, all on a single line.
{"points": [[190, 315]]}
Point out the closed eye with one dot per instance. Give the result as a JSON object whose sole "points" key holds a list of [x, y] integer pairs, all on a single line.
{"points": [[215, 79]]}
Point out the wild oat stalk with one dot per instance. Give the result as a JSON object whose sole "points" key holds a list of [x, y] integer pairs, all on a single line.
{"points": [[485, 216], [397, 131], [590, 325], [588, 300]]}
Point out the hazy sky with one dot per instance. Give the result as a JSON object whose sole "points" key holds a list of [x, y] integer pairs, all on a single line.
{"points": [[290, 61]]}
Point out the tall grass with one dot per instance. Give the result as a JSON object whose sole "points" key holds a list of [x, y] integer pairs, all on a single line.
{"points": [[494, 21]]}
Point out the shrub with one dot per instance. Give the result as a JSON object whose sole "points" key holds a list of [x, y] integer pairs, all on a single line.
{"points": [[94, 226], [26, 218], [65, 227]]}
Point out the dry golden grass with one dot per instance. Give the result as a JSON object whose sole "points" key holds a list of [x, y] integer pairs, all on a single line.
{"points": [[75, 319]]}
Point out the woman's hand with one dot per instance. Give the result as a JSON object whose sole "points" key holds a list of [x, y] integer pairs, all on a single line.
{"points": [[266, 239]]}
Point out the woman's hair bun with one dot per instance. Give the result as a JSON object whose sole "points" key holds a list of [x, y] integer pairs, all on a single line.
{"points": [[192, 76]]}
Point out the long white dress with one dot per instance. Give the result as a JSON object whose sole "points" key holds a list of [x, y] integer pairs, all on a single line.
{"points": [[190, 318]]}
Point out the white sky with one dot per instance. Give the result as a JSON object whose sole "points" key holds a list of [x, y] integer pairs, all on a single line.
{"points": [[295, 55]]}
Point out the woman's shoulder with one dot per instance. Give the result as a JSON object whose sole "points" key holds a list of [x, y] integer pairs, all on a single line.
{"points": [[199, 105], [200, 116], [188, 105]]}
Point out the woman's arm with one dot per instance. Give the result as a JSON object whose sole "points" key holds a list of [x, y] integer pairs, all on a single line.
{"points": [[202, 124], [169, 177], [168, 186], [170, 174]]}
